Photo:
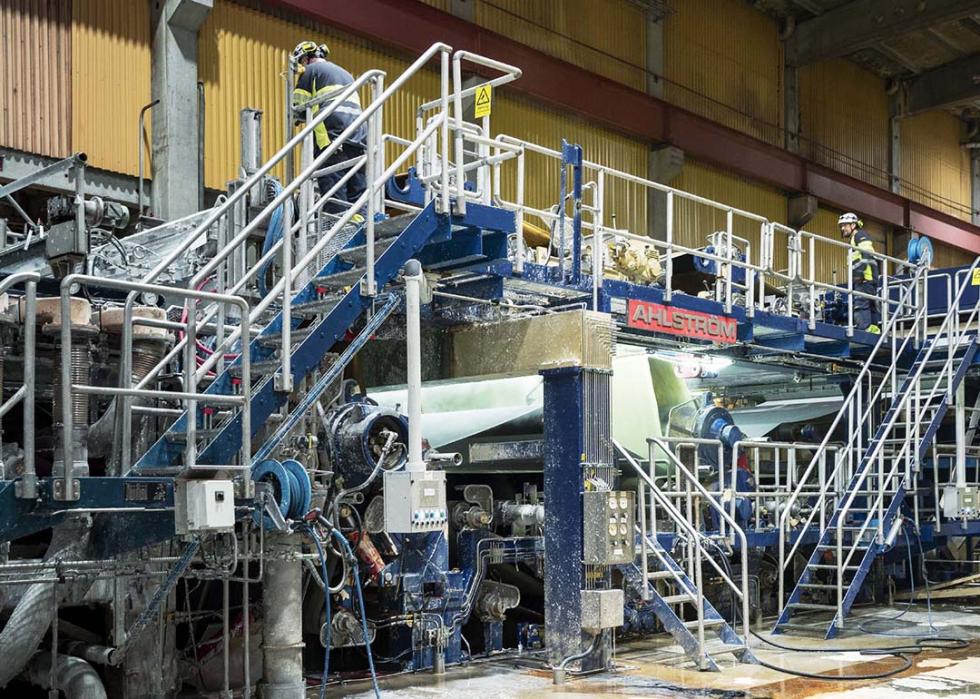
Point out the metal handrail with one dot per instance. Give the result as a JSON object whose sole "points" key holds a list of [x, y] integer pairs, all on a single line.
{"points": [[717, 507], [696, 551], [953, 344], [850, 400], [25, 394]]}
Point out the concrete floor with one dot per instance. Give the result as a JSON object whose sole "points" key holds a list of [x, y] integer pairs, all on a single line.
{"points": [[652, 668]]}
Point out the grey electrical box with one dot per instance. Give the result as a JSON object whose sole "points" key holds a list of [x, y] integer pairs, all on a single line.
{"points": [[415, 501], [602, 609], [608, 519], [205, 505], [960, 503]]}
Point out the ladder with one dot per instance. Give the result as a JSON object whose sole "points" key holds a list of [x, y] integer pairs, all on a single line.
{"points": [[868, 517], [685, 596]]}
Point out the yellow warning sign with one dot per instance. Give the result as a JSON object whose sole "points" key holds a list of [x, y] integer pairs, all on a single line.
{"points": [[976, 277], [484, 98]]}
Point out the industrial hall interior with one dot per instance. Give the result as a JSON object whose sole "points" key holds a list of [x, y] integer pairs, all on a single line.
{"points": [[505, 349]]}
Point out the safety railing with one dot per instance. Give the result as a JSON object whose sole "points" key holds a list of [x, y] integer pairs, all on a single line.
{"points": [[189, 396], [696, 552], [859, 410], [704, 497], [742, 262], [953, 335], [24, 396]]}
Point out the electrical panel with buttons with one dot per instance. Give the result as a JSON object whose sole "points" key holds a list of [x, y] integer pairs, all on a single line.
{"points": [[609, 518], [415, 501]]}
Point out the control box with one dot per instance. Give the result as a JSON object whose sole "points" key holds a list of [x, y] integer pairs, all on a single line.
{"points": [[609, 519], [959, 503], [204, 505], [602, 609], [415, 501]]}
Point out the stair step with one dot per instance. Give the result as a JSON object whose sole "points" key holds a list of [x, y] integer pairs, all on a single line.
{"points": [[358, 255], [275, 339], [813, 606], [817, 586], [181, 437], [263, 368], [678, 599], [340, 280], [660, 575], [707, 623], [829, 566], [846, 548], [722, 647], [321, 306]]}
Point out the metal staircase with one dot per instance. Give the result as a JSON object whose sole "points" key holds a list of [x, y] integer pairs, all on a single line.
{"points": [[868, 517], [685, 596]]}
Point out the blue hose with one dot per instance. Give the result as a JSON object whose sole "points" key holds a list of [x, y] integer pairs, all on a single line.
{"points": [[360, 601], [273, 234]]}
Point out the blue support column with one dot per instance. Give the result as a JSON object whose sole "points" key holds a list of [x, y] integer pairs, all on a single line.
{"points": [[565, 407]]}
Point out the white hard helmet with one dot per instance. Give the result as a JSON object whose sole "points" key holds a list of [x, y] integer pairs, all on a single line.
{"points": [[847, 218]]}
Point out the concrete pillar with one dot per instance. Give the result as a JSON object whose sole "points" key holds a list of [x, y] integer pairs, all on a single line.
{"points": [[665, 164], [464, 9], [655, 54], [176, 180], [800, 208], [895, 143], [791, 108], [282, 636]]}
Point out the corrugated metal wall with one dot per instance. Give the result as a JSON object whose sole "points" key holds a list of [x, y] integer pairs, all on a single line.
{"points": [[35, 97], [935, 168], [110, 80], [693, 222], [242, 57], [945, 256], [722, 60], [520, 118], [844, 119], [607, 37]]}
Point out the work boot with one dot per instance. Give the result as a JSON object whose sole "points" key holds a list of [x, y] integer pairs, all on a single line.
{"points": [[874, 329]]}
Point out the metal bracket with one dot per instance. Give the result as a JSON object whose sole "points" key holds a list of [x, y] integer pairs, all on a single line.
{"points": [[26, 487], [61, 492], [282, 383]]}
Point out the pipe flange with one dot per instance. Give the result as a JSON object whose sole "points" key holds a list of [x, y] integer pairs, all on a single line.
{"points": [[77, 331]]}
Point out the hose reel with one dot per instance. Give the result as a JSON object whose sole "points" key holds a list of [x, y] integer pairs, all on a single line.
{"points": [[292, 491]]}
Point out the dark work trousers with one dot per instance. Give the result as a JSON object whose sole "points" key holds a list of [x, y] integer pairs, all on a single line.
{"points": [[865, 310], [351, 190]]}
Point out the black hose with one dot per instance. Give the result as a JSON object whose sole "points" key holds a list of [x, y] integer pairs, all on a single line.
{"points": [[902, 652]]}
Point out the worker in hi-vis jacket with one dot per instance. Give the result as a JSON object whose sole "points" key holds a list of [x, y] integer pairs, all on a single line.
{"points": [[321, 78], [863, 271]]}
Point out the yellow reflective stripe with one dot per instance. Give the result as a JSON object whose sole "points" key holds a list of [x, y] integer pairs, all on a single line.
{"points": [[867, 245], [322, 135]]}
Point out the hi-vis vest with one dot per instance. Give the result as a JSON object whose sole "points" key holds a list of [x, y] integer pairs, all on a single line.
{"points": [[324, 78], [863, 263]]}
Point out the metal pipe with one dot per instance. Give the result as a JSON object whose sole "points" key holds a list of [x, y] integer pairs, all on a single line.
{"points": [[139, 145], [282, 600], [200, 144], [413, 348]]}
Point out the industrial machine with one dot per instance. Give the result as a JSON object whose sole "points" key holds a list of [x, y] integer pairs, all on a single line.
{"points": [[274, 443]]}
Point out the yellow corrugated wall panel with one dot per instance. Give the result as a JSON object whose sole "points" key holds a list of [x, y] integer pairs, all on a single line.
{"points": [[35, 97], [520, 118], [607, 37], [935, 168], [110, 80], [722, 60], [946, 256], [242, 56], [844, 119], [693, 221]]}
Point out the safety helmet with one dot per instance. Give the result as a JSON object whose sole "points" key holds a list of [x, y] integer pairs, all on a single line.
{"points": [[848, 218], [304, 49], [323, 50]]}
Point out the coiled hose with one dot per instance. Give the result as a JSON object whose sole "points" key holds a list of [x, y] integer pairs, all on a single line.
{"points": [[32, 616]]}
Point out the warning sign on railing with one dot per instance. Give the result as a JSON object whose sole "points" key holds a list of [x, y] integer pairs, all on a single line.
{"points": [[484, 99]]}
